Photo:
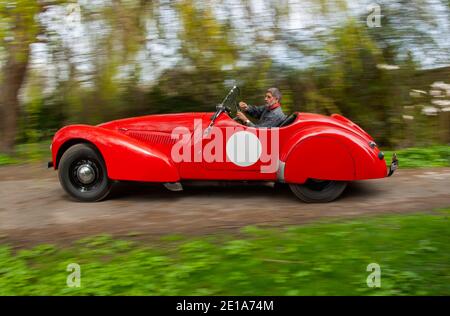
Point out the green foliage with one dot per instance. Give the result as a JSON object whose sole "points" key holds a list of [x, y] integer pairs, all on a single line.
{"points": [[206, 43], [317, 259], [201, 47], [7, 160], [435, 156], [18, 26], [28, 153]]}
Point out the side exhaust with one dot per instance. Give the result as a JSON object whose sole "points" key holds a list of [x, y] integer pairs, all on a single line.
{"points": [[173, 186]]}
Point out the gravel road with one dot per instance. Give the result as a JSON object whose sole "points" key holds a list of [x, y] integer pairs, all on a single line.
{"points": [[35, 209]]}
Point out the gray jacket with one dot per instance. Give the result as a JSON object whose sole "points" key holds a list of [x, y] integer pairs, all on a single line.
{"points": [[267, 118]]}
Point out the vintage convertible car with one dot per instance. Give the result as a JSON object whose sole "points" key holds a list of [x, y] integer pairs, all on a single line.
{"points": [[315, 155]]}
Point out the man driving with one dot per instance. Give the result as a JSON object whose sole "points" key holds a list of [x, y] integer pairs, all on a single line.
{"points": [[269, 115]]}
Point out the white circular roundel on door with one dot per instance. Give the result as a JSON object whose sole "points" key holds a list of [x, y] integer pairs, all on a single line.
{"points": [[243, 148]]}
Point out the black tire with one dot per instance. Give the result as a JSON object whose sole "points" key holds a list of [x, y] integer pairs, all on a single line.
{"points": [[318, 191], [82, 173]]}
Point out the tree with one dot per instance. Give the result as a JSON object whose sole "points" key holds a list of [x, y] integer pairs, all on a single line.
{"points": [[19, 29], [21, 26]]}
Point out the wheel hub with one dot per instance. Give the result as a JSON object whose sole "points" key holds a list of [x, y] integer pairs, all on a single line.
{"points": [[86, 174]]}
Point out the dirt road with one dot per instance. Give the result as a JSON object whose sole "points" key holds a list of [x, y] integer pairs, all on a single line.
{"points": [[34, 208]]}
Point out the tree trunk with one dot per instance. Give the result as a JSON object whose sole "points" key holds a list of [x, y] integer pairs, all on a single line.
{"points": [[14, 73]]}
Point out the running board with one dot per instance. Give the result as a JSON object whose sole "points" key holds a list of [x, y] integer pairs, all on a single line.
{"points": [[173, 186]]}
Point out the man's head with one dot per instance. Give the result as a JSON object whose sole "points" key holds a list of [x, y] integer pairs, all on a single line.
{"points": [[273, 96]]}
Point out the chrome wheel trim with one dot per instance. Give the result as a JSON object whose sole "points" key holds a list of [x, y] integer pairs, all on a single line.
{"points": [[86, 174]]}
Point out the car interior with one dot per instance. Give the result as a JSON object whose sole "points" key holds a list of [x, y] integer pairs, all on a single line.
{"points": [[289, 120], [231, 101]]}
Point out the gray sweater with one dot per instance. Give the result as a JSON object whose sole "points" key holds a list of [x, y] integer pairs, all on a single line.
{"points": [[267, 118]]}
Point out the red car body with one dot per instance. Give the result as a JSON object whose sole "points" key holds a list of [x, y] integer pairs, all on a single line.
{"points": [[313, 146]]}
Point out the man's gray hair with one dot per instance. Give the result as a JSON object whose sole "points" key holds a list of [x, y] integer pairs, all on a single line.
{"points": [[275, 92]]}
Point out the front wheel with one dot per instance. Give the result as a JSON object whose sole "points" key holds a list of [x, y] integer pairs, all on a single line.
{"points": [[82, 173], [318, 191]]}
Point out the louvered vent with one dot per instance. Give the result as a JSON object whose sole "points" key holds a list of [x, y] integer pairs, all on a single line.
{"points": [[151, 137]]}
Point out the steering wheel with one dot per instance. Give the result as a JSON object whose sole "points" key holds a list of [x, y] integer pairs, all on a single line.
{"points": [[229, 102], [236, 118], [232, 101], [236, 107]]}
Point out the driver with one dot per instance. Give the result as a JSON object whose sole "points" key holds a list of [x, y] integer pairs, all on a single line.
{"points": [[269, 115]]}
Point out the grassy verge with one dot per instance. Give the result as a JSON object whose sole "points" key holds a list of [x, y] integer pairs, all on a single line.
{"points": [[27, 153], [413, 252], [434, 156]]}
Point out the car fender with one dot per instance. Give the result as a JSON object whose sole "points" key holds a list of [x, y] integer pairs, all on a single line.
{"points": [[126, 158], [329, 154]]}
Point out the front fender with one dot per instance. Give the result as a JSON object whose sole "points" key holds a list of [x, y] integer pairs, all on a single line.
{"points": [[126, 158], [330, 154]]}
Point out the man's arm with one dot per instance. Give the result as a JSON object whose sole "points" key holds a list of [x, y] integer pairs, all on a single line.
{"points": [[255, 111], [273, 119]]}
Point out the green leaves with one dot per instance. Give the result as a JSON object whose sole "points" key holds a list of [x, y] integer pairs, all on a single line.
{"points": [[434, 156], [26, 153]]}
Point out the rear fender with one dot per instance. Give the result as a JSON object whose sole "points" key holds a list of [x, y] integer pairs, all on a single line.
{"points": [[330, 154], [126, 158]]}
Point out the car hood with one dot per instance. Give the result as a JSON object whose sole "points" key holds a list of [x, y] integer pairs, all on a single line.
{"points": [[157, 122]]}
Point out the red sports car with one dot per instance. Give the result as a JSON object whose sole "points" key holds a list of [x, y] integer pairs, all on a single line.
{"points": [[315, 155]]}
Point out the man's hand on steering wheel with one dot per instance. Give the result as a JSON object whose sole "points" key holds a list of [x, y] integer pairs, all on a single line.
{"points": [[243, 106], [241, 116]]}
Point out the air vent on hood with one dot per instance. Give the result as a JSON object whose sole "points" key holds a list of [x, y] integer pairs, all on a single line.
{"points": [[150, 136]]}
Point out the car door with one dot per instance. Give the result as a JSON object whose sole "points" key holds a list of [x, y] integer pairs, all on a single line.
{"points": [[235, 151]]}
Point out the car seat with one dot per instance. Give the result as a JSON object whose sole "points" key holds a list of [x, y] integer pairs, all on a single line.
{"points": [[289, 120]]}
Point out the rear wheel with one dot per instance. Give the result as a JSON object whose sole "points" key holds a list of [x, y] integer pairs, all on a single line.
{"points": [[318, 191], [82, 173]]}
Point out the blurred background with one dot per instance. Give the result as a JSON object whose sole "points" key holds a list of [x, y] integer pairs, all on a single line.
{"points": [[384, 65]]}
